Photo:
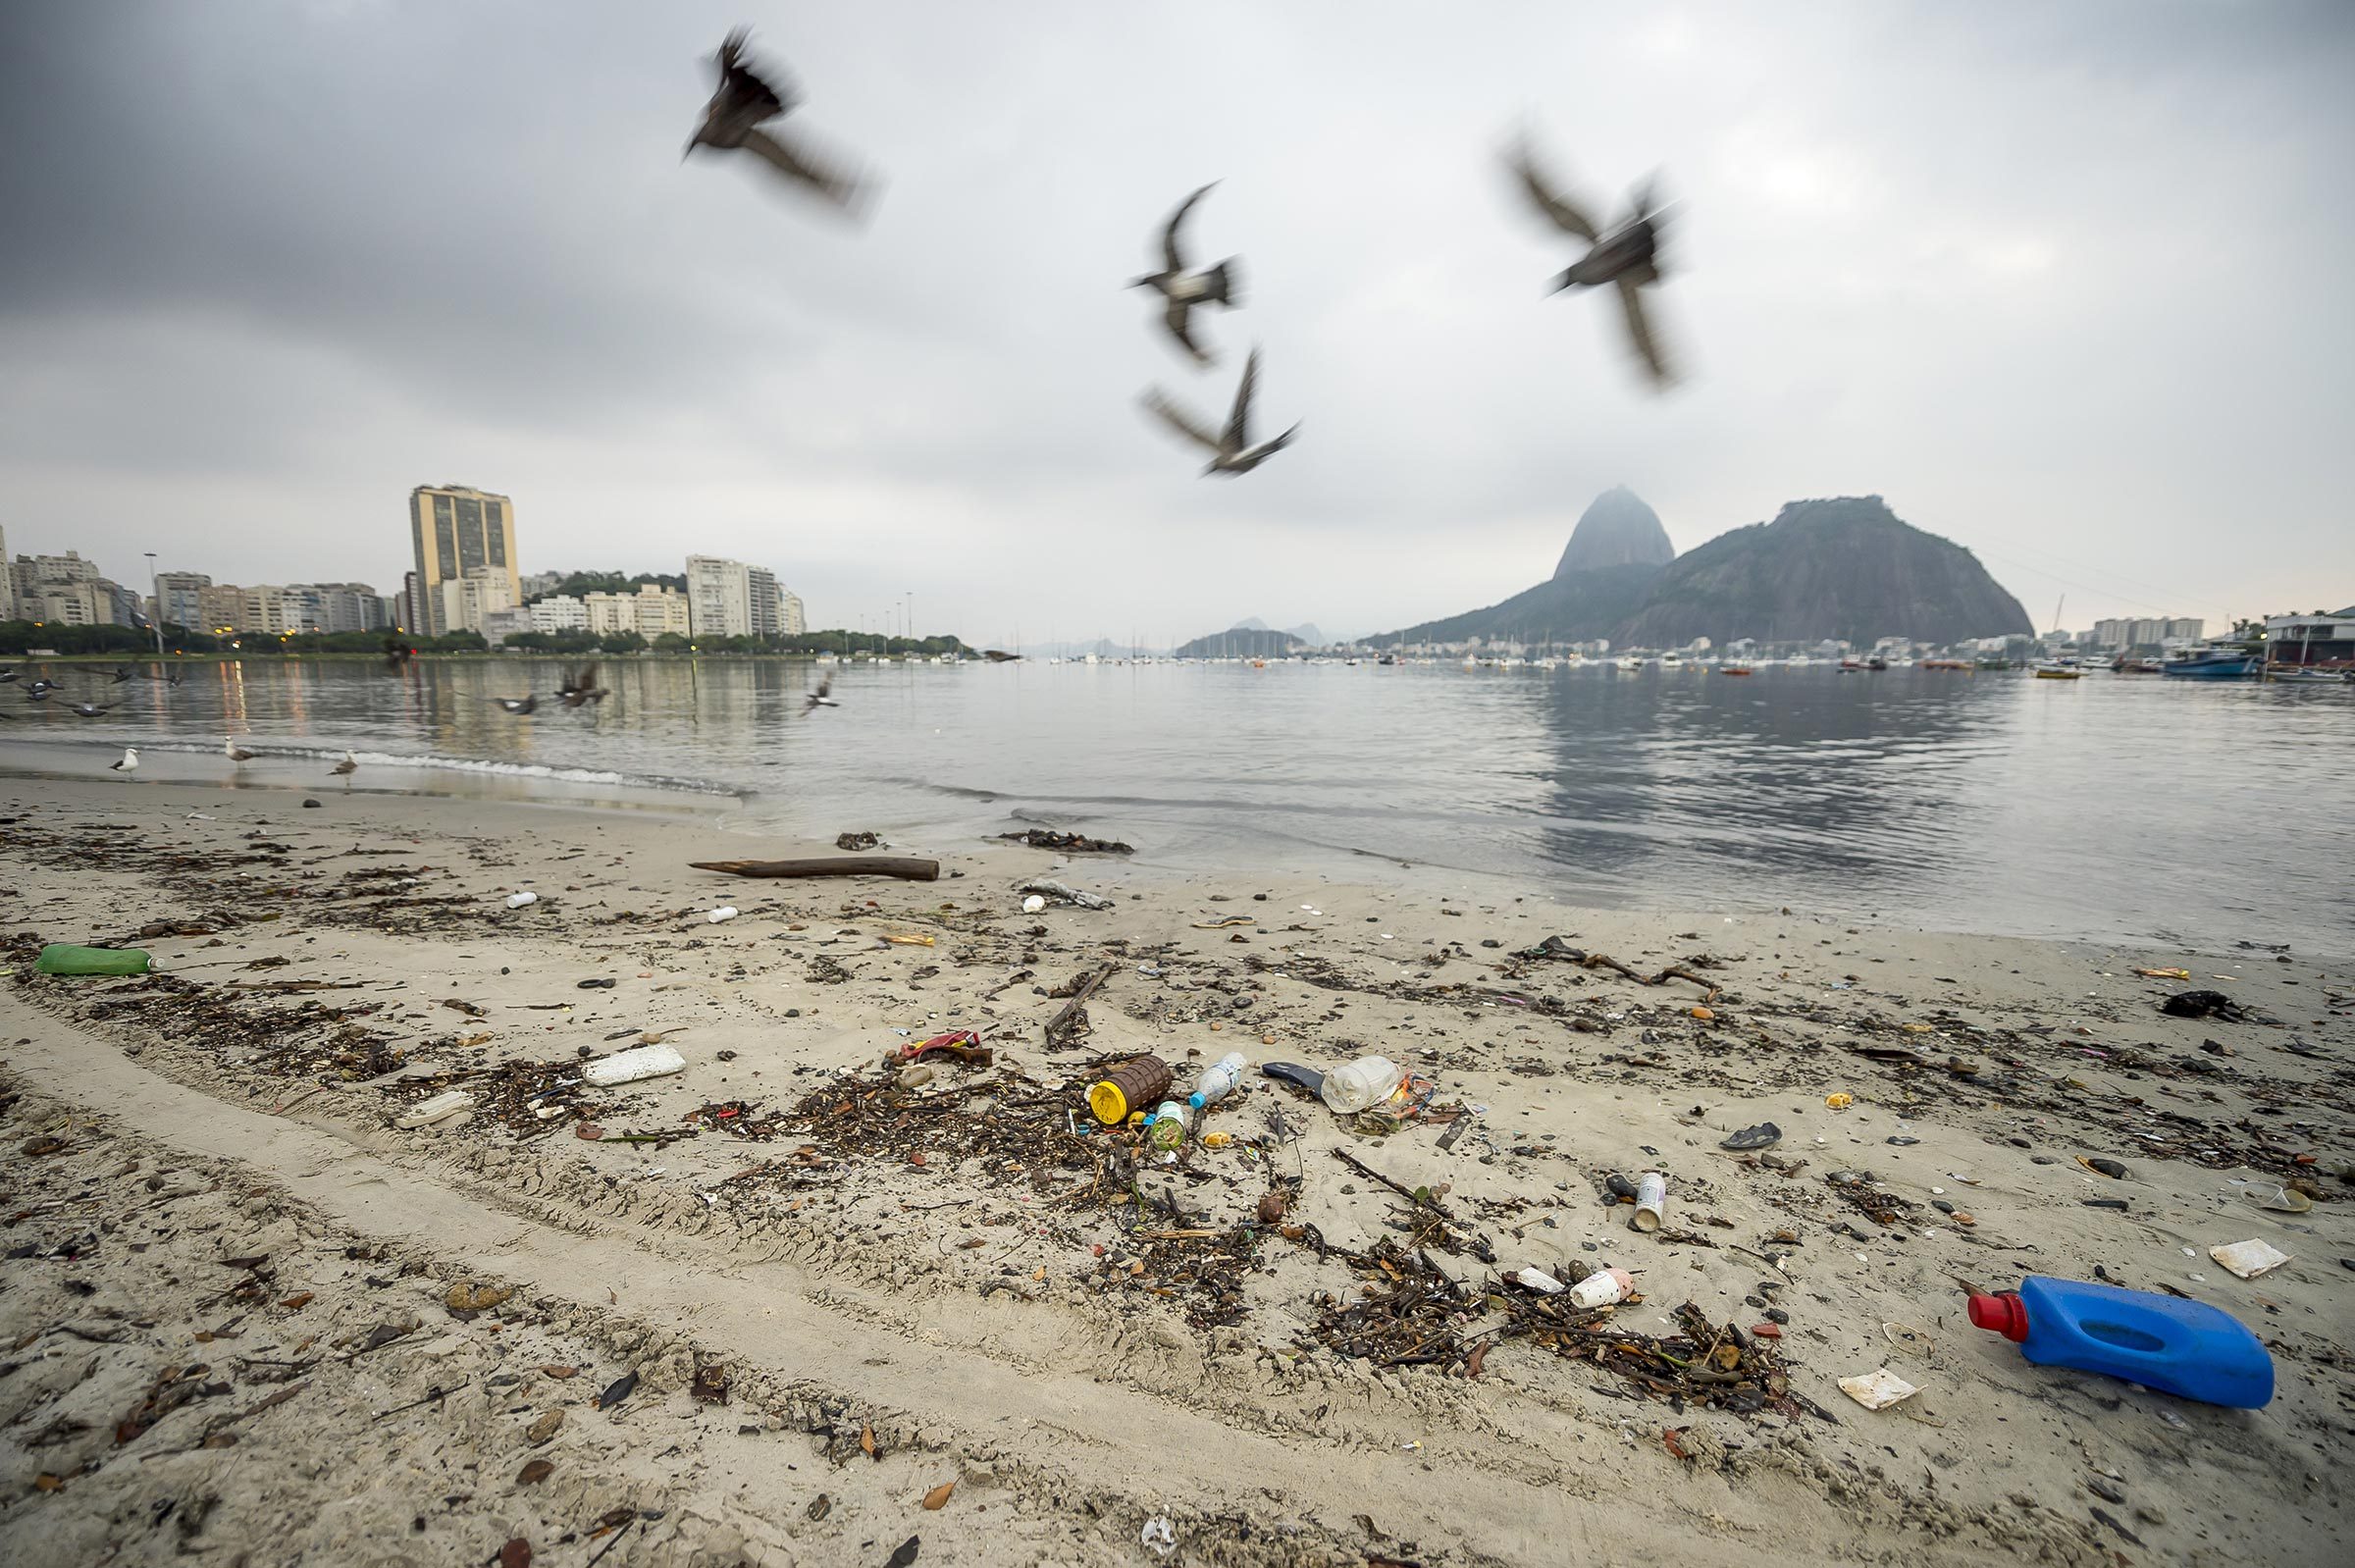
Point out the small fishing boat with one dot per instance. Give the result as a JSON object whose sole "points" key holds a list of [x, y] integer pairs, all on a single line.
{"points": [[2300, 676], [1849, 667], [1945, 663], [1732, 669], [2059, 669], [2122, 665], [2212, 663]]}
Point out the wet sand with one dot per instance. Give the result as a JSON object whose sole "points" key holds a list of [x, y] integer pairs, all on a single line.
{"points": [[905, 1287]]}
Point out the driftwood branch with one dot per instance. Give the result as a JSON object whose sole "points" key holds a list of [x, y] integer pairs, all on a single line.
{"points": [[1076, 1010], [907, 868]]}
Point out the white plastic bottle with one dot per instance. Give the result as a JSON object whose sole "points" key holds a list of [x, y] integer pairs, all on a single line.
{"points": [[1218, 1081], [1367, 1081], [516, 900]]}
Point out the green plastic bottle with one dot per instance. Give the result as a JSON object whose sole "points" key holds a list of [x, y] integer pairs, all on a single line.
{"points": [[64, 958]]}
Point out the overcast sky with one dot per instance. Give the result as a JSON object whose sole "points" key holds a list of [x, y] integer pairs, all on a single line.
{"points": [[2068, 283]]}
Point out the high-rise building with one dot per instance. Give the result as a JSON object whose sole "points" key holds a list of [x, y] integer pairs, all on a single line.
{"points": [[661, 610], [729, 598], [560, 612], [61, 590], [335, 607], [792, 620], [8, 581], [177, 598], [761, 592], [460, 603], [455, 531]]}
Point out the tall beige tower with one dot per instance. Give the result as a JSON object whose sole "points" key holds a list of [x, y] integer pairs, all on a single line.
{"points": [[454, 530]]}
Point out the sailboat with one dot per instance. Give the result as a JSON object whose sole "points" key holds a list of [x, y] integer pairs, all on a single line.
{"points": [[2062, 668]]}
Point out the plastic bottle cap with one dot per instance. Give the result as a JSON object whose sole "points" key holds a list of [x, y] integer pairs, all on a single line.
{"points": [[2004, 1314], [1106, 1104], [1196, 1101]]}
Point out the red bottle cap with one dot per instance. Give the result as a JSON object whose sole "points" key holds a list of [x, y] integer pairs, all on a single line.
{"points": [[2005, 1314]]}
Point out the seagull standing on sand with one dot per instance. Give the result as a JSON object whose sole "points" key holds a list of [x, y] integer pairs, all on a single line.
{"points": [[129, 762], [1182, 291], [344, 769], [234, 752], [1628, 257], [818, 698], [742, 103], [1232, 451]]}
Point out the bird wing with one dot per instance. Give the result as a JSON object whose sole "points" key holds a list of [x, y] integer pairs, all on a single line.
{"points": [[1179, 420], [1238, 422], [1542, 195], [826, 684], [745, 98], [835, 184], [1179, 318], [1170, 255], [1639, 331]]}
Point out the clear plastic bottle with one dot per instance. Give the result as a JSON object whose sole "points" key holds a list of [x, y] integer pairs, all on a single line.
{"points": [[1218, 1081], [1170, 1123], [1361, 1085]]}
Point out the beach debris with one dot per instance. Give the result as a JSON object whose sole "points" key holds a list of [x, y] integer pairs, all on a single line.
{"points": [[1135, 1083], [1537, 1279], [726, 911], [1061, 893], [617, 1390], [1225, 923], [1160, 1536], [1071, 1018], [472, 1295], [441, 1108], [1555, 948], [628, 1066], [534, 1472], [516, 1553], [1764, 1135], [1359, 1085], [1652, 1201], [710, 1384], [938, 1498], [1033, 905], [64, 957], [1604, 1288], [2206, 1004], [1046, 838], [2249, 1258], [1838, 1101], [2101, 1167], [2283, 1199], [516, 900], [904, 1555], [905, 867], [2165, 974], [1878, 1388], [858, 841], [543, 1427]]}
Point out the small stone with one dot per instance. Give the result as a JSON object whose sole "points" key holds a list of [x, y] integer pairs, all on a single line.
{"points": [[545, 1427], [469, 1296], [1777, 1315]]}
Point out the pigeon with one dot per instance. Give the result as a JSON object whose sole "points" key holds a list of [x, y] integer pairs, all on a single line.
{"points": [[742, 103], [38, 689], [1628, 257], [121, 675], [518, 705], [1183, 290], [7, 675], [234, 752], [344, 769], [818, 698], [397, 655], [91, 709], [129, 762], [575, 690], [1232, 451]]}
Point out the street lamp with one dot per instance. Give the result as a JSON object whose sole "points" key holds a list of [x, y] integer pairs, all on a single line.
{"points": [[155, 596]]}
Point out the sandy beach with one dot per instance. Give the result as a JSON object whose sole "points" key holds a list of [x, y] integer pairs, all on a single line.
{"points": [[793, 1305]]}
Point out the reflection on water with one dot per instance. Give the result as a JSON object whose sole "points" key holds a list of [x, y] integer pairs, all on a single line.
{"points": [[2110, 806]]}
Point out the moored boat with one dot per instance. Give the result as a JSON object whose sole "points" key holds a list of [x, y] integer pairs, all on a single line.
{"points": [[2212, 663]]}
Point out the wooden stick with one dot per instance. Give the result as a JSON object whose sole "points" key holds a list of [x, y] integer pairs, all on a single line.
{"points": [[1079, 1002], [905, 867]]}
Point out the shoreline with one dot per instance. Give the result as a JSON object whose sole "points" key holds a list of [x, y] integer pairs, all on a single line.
{"points": [[997, 1313]]}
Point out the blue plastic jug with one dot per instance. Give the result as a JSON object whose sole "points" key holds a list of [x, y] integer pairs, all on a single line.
{"points": [[2186, 1348]]}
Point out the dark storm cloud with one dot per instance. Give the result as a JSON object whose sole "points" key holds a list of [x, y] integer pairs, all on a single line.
{"points": [[2061, 282]]}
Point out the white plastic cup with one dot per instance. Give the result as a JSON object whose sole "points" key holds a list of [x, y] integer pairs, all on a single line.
{"points": [[726, 911], [1652, 1201], [516, 900], [1602, 1288]]}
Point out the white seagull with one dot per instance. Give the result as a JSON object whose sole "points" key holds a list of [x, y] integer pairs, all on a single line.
{"points": [[233, 751], [129, 762]]}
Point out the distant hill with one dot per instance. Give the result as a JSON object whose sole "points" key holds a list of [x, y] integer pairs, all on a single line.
{"points": [[1616, 530], [1241, 642], [1577, 608], [1306, 630], [1845, 568]]}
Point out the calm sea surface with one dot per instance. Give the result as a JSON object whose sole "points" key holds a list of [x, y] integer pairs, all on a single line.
{"points": [[2111, 807]]}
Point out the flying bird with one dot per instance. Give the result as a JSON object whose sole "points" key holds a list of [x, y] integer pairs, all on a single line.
{"points": [[122, 674], [518, 705], [1182, 291], [129, 761], [1232, 451], [575, 690], [397, 655], [38, 689], [818, 698], [1628, 257], [344, 769], [234, 752], [7, 675], [91, 709], [742, 103]]}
